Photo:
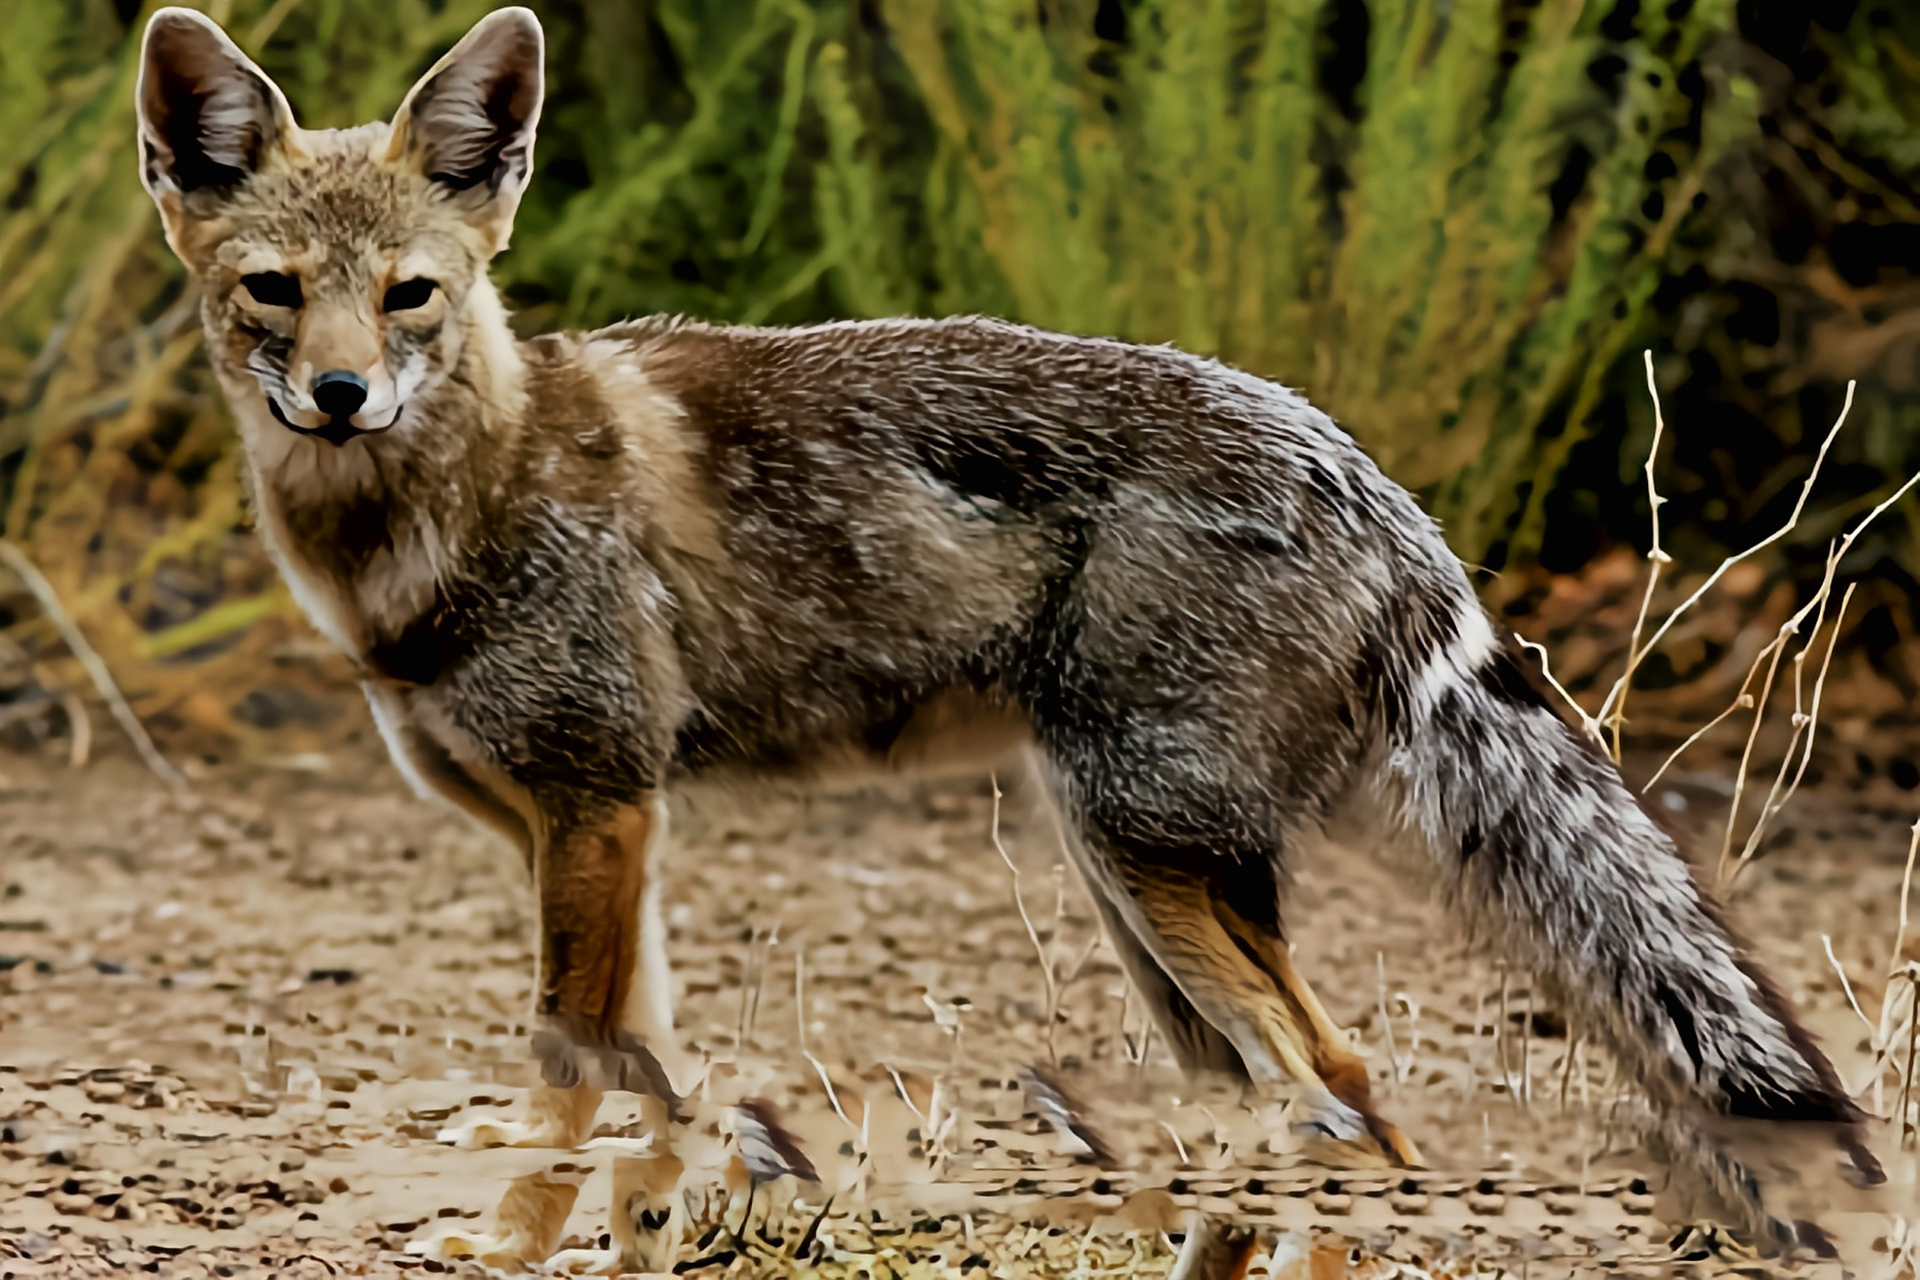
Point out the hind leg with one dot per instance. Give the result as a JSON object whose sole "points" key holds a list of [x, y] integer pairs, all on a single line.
{"points": [[1214, 1248], [1240, 979], [1182, 851], [1339, 1068], [1196, 1044]]}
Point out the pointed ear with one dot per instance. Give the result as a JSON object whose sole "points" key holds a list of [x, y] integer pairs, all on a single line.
{"points": [[468, 125], [209, 118]]}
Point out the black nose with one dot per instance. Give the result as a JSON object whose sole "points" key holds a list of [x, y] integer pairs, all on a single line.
{"points": [[338, 393]]}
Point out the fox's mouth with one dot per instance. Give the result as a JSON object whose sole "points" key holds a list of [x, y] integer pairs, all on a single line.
{"points": [[335, 431]]}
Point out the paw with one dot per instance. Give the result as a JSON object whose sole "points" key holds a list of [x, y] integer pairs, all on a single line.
{"points": [[572, 1053], [492, 1131], [587, 1262], [1317, 1116], [496, 1252], [1331, 1132]]}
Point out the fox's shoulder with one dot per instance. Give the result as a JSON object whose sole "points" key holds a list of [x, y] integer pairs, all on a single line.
{"points": [[908, 360]]}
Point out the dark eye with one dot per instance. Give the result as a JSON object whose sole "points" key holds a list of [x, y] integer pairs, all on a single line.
{"points": [[408, 294], [272, 289]]}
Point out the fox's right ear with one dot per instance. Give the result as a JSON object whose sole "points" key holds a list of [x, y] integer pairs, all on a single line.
{"points": [[209, 118]]}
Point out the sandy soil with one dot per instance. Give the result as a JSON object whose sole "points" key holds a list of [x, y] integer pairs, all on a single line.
{"points": [[232, 1026]]}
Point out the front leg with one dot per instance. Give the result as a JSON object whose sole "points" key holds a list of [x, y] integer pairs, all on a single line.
{"points": [[603, 997], [603, 992]]}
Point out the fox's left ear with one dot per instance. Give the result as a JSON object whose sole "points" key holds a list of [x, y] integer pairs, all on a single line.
{"points": [[468, 125]]}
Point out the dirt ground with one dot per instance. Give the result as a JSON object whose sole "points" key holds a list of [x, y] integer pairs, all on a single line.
{"points": [[233, 1025]]}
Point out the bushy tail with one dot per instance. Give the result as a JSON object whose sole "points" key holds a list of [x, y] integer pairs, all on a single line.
{"points": [[1542, 847]]}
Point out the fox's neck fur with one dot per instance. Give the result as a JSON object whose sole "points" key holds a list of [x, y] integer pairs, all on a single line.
{"points": [[363, 532]]}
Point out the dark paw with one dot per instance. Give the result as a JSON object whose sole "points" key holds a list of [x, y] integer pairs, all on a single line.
{"points": [[1861, 1168], [1320, 1115], [1814, 1240], [559, 1058], [635, 1069], [572, 1053]]}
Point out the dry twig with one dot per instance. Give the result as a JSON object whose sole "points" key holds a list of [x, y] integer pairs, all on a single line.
{"points": [[95, 667], [1742, 703], [1655, 559], [1047, 975], [1803, 722], [1618, 692]]}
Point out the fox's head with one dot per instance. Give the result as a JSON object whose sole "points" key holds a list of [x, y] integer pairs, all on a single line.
{"points": [[344, 270]]}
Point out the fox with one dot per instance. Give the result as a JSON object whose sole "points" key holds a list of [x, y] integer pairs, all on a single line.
{"points": [[578, 572]]}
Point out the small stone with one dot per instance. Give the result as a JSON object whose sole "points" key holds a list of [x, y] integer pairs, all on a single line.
{"points": [[1333, 1203], [1411, 1203], [1482, 1203]]}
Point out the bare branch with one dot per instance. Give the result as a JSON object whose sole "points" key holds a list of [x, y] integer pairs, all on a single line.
{"points": [[1776, 648], [96, 668], [1047, 975], [1806, 723], [1589, 723], [1846, 986], [1742, 703], [1655, 559], [1618, 692], [1906, 894]]}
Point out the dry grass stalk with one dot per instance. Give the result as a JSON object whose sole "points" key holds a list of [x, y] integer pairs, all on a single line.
{"points": [[1771, 656], [1906, 893], [1742, 703], [1656, 558], [96, 669], [1402, 1067], [942, 1115], [1386, 1017], [1909, 1126], [1846, 987], [1617, 694], [1900, 968], [1500, 1035], [819, 1068], [1567, 1068], [1804, 723], [1526, 1050], [1180, 1147], [80, 726], [1048, 977], [752, 980], [1898, 1028]]}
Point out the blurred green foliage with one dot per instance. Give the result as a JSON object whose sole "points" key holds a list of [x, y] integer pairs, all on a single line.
{"points": [[1450, 222]]}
